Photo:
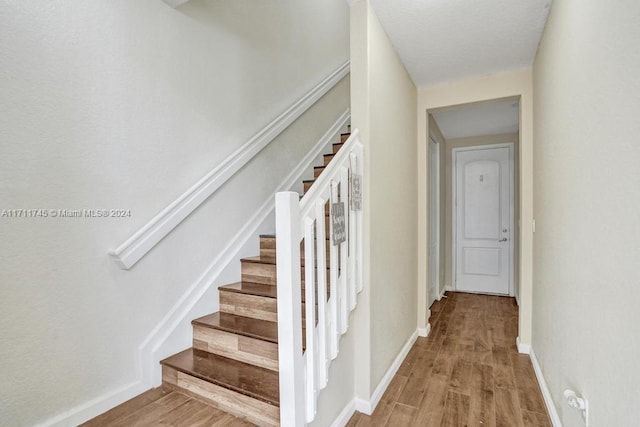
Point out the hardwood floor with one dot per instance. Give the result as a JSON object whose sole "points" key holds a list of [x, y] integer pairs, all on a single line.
{"points": [[158, 407], [466, 373]]}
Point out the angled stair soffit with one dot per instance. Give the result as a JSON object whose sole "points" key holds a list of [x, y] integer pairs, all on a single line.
{"points": [[175, 3]]}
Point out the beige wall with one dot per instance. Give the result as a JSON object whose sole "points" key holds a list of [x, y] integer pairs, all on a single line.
{"points": [[125, 105], [515, 84], [447, 190], [393, 211], [384, 105], [360, 119], [587, 202]]}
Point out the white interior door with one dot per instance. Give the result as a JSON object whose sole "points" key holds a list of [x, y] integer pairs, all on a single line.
{"points": [[483, 212], [434, 221]]}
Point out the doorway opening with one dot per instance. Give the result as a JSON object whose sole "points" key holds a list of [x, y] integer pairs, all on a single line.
{"points": [[473, 214]]}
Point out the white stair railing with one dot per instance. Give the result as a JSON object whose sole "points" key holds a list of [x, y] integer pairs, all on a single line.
{"points": [[330, 297]]}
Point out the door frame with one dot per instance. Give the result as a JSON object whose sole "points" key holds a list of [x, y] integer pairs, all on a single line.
{"points": [[434, 207], [454, 209]]}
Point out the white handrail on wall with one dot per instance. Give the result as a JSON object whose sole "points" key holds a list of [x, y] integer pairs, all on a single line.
{"points": [[303, 374], [139, 244]]}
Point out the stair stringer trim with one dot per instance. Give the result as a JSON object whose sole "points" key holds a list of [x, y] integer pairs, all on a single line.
{"points": [[154, 348]]}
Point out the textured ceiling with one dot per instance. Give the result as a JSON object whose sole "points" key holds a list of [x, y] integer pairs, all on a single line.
{"points": [[487, 118], [448, 40]]}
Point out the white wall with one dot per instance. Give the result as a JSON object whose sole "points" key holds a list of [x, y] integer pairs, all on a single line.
{"points": [[121, 104], [587, 180], [384, 103]]}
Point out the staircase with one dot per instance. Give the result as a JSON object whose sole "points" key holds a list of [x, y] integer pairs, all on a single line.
{"points": [[233, 364]]}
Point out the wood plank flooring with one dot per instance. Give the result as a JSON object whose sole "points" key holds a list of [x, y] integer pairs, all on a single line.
{"points": [[466, 373], [158, 407]]}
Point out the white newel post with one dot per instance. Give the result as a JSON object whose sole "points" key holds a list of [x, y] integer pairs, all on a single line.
{"points": [[290, 359]]}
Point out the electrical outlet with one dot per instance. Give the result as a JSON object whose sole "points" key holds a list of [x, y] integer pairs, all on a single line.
{"points": [[577, 402]]}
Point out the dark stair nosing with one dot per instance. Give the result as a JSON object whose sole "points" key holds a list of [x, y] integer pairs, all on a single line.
{"points": [[248, 288], [240, 325], [257, 289], [259, 260], [250, 380], [271, 260]]}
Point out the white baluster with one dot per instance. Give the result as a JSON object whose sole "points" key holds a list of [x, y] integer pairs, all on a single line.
{"points": [[352, 238], [333, 280], [290, 361], [321, 253], [360, 226], [310, 317], [344, 294]]}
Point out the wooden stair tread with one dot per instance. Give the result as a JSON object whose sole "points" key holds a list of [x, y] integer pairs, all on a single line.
{"points": [[270, 260], [253, 381], [246, 326], [249, 288], [259, 260]]}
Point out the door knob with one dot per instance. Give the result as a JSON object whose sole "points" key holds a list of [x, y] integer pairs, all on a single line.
{"points": [[504, 239]]}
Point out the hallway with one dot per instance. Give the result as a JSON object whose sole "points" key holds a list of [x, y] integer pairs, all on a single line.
{"points": [[466, 373]]}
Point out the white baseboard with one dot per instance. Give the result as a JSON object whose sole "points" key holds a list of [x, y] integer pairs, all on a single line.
{"points": [[151, 351], [522, 347], [345, 415], [546, 393], [97, 406], [368, 406], [424, 332], [448, 288], [442, 293]]}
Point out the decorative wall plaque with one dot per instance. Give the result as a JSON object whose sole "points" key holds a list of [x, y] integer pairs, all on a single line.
{"points": [[356, 192], [338, 222]]}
